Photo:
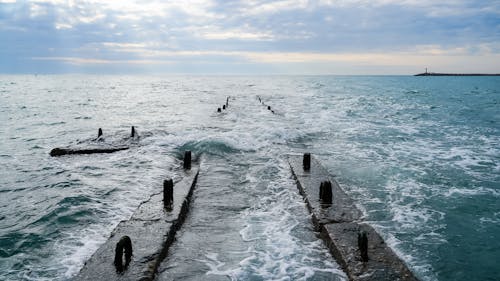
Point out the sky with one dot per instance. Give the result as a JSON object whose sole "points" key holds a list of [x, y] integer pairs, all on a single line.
{"points": [[344, 37]]}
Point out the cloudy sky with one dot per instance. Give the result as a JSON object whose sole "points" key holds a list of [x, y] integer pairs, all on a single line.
{"points": [[249, 37]]}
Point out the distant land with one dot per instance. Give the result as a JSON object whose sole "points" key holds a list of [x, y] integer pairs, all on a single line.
{"points": [[455, 74]]}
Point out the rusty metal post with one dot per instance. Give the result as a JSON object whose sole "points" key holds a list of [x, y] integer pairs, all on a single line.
{"points": [[168, 192], [363, 245], [306, 161], [123, 246], [325, 192], [187, 160]]}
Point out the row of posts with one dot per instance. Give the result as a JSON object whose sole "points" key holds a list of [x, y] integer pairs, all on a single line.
{"points": [[268, 107], [168, 184], [224, 106], [132, 132], [326, 198], [124, 245]]}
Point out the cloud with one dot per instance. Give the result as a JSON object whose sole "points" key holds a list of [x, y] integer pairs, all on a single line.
{"points": [[312, 32]]}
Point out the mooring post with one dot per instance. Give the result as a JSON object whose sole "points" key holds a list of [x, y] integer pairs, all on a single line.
{"points": [[227, 101], [224, 106], [306, 161], [99, 132], [218, 109], [132, 133], [325, 192], [187, 160], [268, 107], [123, 246], [168, 192], [363, 245]]}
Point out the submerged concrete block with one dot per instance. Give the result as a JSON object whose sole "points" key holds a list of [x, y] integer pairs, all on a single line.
{"points": [[66, 151]]}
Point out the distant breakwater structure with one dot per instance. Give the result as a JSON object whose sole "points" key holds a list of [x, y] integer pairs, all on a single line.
{"points": [[137, 246], [455, 74]]}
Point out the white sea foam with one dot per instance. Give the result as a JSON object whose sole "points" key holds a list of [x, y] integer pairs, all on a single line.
{"points": [[403, 162]]}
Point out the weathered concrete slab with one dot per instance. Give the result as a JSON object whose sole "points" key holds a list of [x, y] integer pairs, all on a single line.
{"points": [[151, 228], [342, 208], [382, 264], [340, 224], [65, 151]]}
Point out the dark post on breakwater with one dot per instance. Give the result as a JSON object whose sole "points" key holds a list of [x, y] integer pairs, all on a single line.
{"points": [[356, 246]]}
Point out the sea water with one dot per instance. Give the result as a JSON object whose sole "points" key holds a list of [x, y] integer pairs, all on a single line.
{"points": [[419, 155]]}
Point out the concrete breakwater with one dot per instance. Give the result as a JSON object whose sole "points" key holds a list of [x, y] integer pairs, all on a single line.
{"points": [[58, 151], [66, 151], [151, 230], [456, 74], [356, 246]]}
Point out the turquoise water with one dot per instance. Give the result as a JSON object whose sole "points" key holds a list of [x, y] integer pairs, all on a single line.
{"points": [[420, 156]]}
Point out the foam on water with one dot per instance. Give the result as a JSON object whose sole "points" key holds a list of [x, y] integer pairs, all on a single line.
{"points": [[421, 157]]}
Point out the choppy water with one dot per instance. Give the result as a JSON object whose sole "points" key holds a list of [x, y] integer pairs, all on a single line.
{"points": [[420, 155]]}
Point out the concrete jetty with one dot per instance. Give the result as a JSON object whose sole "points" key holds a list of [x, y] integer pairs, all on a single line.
{"points": [[66, 151], [357, 247], [151, 230]]}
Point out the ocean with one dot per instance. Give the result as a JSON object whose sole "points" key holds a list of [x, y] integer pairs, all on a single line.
{"points": [[420, 156]]}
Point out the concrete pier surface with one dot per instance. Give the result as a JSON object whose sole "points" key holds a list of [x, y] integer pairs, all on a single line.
{"points": [[65, 151], [151, 229], [342, 228]]}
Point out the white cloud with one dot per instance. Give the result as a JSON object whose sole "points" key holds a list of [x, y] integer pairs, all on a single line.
{"points": [[271, 7], [60, 26]]}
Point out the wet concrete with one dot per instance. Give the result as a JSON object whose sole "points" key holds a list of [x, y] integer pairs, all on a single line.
{"points": [[65, 151], [152, 230], [340, 223], [342, 208], [382, 264]]}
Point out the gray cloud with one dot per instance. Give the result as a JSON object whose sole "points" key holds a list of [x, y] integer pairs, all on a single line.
{"points": [[243, 32]]}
